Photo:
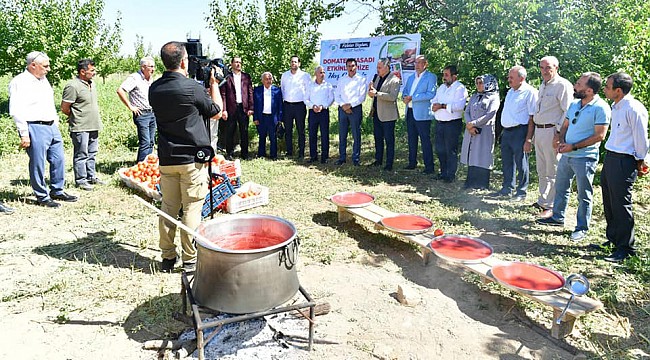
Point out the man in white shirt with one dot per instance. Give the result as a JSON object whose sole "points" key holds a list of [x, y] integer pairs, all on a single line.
{"points": [[349, 95], [31, 105], [320, 96], [627, 148], [448, 106], [518, 110], [294, 84]]}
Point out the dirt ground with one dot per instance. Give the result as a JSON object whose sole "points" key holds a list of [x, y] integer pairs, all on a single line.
{"points": [[79, 283]]}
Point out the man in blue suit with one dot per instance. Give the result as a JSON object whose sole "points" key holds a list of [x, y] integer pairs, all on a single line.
{"points": [[267, 100], [418, 91]]}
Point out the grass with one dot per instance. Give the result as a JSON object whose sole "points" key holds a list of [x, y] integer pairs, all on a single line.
{"points": [[106, 246]]}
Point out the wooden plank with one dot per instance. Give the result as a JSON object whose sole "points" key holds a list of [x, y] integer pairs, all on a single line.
{"points": [[579, 306]]}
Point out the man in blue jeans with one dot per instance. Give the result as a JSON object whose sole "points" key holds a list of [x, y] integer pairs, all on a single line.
{"points": [[584, 127], [134, 93]]}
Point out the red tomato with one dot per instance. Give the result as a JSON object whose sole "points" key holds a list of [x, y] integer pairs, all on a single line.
{"points": [[438, 232]]}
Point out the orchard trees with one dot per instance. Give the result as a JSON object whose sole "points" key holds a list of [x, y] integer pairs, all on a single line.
{"points": [[66, 30]]}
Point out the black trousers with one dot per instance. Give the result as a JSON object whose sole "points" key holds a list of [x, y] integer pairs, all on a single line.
{"points": [[617, 179], [236, 119], [319, 120], [446, 143], [297, 111]]}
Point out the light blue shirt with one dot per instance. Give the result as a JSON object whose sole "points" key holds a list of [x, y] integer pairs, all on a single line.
{"points": [[596, 112]]}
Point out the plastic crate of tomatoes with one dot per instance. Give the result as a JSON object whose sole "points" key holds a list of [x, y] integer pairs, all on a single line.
{"points": [[248, 196], [143, 176], [222, 190], [231, 168]]}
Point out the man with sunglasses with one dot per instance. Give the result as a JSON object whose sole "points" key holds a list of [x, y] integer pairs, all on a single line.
{"points": [[31, 105], [584, 127]]}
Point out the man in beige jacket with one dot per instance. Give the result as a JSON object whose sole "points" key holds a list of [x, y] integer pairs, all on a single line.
{"points": [[383, 90]]}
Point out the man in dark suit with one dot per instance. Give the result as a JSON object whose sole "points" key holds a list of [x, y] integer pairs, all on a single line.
{"points": [[237, 96], [267, 113]]}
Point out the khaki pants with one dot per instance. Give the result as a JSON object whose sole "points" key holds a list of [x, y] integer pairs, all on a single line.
{"points": [[547, 160], [186, 186]]}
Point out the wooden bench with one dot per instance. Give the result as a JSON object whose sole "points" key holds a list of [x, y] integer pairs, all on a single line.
{"points": [[580, 305]]}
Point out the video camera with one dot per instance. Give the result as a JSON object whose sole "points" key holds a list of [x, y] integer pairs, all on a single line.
{"points": [[200, 66]]}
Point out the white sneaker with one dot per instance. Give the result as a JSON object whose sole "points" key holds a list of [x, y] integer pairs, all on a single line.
{"points": [[578, 235]]}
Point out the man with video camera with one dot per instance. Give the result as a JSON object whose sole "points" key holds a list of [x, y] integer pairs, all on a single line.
{"points": [[182, 108]]}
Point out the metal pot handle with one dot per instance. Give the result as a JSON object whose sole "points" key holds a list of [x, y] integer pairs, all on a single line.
{"points": [[285, 254]]}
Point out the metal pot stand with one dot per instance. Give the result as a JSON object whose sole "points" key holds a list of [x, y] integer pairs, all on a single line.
{"points": [[200, 326]]}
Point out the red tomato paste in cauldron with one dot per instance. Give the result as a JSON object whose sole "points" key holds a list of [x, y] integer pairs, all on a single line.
{"points": [[248, 241]]}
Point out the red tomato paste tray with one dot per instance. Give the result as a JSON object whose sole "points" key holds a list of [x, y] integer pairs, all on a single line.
{"points": [[461, 248], [528, 278], [352, 199], [407, 223]]}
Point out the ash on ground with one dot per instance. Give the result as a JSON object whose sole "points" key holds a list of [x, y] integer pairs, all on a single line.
{"points": [[279, 336]]}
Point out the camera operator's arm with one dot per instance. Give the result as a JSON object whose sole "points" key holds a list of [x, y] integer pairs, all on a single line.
{"points": [[215, 94]]}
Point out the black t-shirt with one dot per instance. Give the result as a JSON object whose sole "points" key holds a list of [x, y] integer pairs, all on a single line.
{"points": [[180, 105]]}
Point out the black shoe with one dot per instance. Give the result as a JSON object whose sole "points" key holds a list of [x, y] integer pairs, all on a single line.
{"points": [[48, 203], [618, 256], [388, 167], [323, 161], [376, 163], [6, 209], [356, 163], [599, 247], [412, 167], [64, 197], [537, 206], [167, 265], [189, 266], [339, 162], [448, 180], [500, 194], [428, 172], [313, 160], [85, 186], [549, 221], [229, 157]]}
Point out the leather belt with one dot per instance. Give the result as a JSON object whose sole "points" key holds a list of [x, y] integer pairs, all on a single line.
{"points": [[513, 127], [48, 123], [544, 126], [620, 155]]}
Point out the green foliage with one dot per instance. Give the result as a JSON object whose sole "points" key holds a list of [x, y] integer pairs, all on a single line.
{"points": [[490, 36], [266, 38], [66, 30]]}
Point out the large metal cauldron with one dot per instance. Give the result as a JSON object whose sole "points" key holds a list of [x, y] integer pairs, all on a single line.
{"points": [[233, 276]]}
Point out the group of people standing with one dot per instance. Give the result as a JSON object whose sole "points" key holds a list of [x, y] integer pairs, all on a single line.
{"points": [[31, 105], [566, 124]]}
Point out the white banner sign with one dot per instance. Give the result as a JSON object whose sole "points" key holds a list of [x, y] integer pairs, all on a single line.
{"points": [[401, 50]]}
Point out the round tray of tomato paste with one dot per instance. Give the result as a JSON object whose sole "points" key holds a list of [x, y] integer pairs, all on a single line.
{"points": [[528, 278], [407, 223], [461, 248], [352, 199]]}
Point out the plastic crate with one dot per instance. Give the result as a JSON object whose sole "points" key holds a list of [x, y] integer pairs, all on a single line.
{"points": [[236, 204], [136, 185], [221, 193], [230, 168]]}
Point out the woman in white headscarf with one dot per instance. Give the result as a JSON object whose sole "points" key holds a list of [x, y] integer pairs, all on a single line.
{"points": [[478, 141]]}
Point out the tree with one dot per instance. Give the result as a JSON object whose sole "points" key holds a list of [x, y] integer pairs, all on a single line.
{"points": [[66, 30], [490, 36], [266, 38]]}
